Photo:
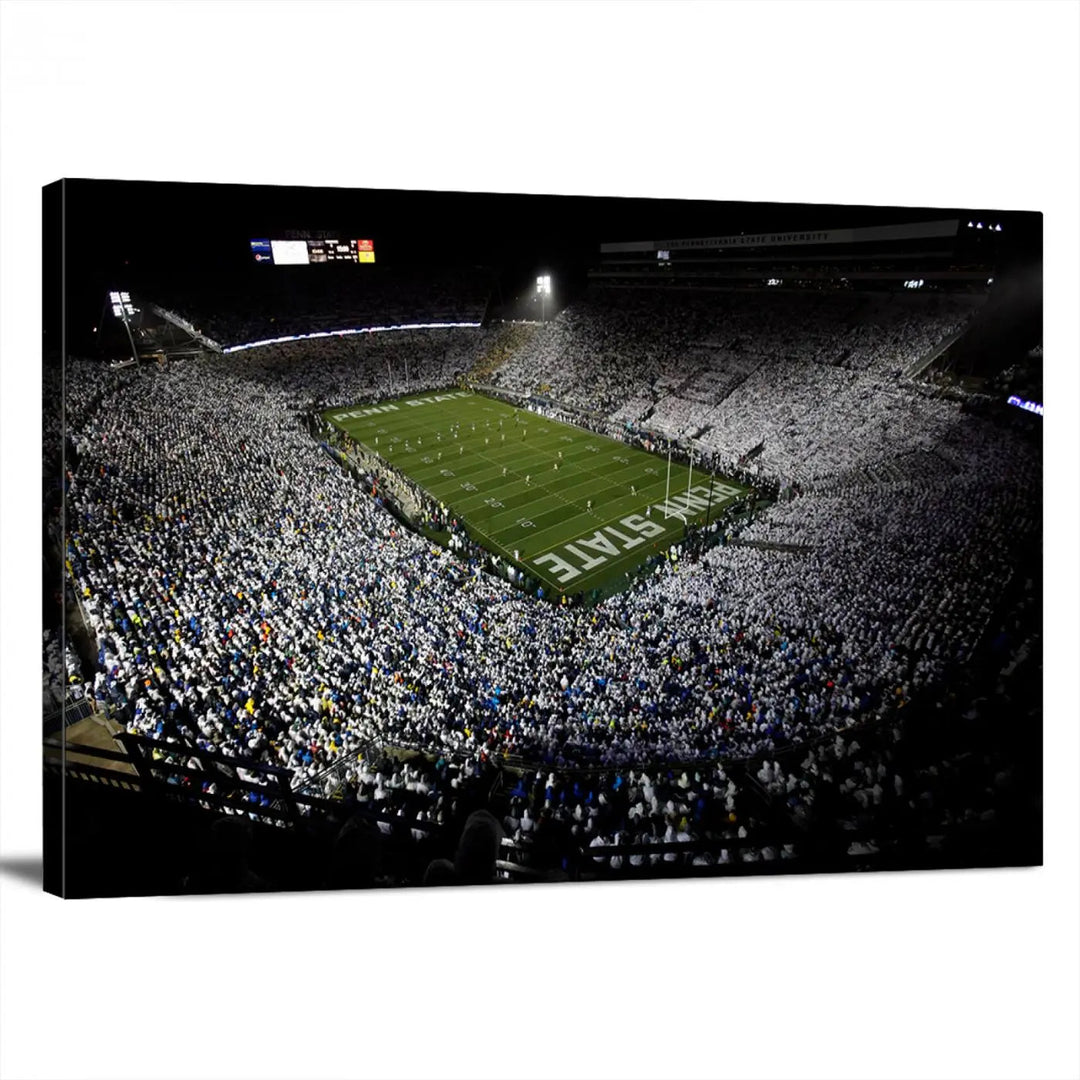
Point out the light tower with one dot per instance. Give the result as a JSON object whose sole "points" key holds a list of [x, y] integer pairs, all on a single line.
{"points": [[543, 287], [123, 309]]}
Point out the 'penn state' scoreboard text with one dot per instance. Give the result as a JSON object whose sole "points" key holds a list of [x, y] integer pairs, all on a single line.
{"points": [[303, 252]]}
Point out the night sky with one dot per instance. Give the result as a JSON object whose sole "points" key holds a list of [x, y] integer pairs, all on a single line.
{"points": [[127, 234]]}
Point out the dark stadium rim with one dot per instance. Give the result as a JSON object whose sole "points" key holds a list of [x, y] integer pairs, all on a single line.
{"points": [[563, 512]]}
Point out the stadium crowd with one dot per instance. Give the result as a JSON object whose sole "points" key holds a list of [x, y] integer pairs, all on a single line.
{"points": [[246, 594], [61, 667], [806, 379]]}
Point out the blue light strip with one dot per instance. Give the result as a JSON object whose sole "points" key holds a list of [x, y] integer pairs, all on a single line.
{"points": [[346, 333], [1029, 406]]}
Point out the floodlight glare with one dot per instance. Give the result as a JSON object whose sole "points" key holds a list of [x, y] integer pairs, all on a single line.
{"points": [[979, 226], [114, 297], [117, 310], [543, 289]]}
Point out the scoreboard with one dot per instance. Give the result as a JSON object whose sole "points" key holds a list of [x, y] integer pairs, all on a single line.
{"points": [[304, 252]]}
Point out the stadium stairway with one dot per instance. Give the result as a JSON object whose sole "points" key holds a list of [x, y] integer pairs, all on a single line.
{"points": [[509, 340], [97, 732], [917, 367]]}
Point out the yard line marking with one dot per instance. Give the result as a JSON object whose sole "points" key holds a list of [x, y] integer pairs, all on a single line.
{"points": [[590, 459]]}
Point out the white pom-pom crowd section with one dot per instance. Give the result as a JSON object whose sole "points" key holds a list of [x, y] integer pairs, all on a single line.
{"points": [[246, 594]]}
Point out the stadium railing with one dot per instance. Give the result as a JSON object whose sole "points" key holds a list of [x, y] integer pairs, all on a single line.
{"points": [[58, 760], [182, 773], [596, 861], [76, 707]]}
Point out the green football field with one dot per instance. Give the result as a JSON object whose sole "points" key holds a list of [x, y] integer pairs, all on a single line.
{"points": [[571, 508]]}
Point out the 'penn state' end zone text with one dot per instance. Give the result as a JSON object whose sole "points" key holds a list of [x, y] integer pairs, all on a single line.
{"points": [[608, 542], [372, 410]]}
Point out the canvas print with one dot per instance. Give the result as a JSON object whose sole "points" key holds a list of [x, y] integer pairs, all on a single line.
{"points": [[414, 538]]}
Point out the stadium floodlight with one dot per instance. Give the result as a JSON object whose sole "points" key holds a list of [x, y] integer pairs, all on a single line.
{"points": [[979, 226], [122, 308], [543, 287]]}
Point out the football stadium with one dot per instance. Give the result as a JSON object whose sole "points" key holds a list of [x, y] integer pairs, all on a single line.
{"points": [[556, 554], [572, 508]]}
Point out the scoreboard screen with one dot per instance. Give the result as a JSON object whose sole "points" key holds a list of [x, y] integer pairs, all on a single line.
{"points": [[304, 252], [289, 252]]}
